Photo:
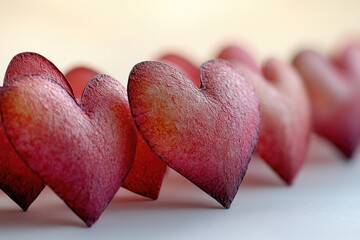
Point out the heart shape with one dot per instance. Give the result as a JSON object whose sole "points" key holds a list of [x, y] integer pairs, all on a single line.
{"points": [[83, 152], [285, 111], [207, 135], [19, 182], [147, 173], [334, 92]]}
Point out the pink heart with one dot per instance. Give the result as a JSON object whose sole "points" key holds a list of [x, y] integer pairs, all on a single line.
{"points": [[207, 135], [147, 173], [334, 92], [285, 111], [83, 152], [16, 179]]}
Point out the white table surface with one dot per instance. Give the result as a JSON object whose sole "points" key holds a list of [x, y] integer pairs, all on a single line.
{"points": [[323, 203]]}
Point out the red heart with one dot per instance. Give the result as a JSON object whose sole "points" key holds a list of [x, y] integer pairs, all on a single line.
{"points": [[83, 152], [16, 179], [207, 135], [334, 93], [285, 111], [147, 173]]}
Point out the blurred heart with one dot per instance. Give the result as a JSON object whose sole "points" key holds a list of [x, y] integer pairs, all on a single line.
{"points": [[285, 111], [334, 88]]}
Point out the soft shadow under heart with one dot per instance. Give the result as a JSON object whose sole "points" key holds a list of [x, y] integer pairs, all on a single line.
{"points": [[322, 152], [47, 216], [48, 210]]}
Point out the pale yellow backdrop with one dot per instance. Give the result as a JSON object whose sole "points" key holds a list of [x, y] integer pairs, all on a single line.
{"points": [[114, 35]]}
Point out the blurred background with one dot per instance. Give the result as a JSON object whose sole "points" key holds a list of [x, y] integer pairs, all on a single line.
{"points": [[112, 36]]}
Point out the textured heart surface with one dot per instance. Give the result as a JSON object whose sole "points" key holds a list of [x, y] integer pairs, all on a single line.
{"points": [[147, 173], [207, 135], [285, 111], [28, 63], [334, 93], [183, 65], [19, 182], [83, 152]]}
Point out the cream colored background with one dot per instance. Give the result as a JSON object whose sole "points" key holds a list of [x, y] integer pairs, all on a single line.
{"points": [[114, 35]]}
